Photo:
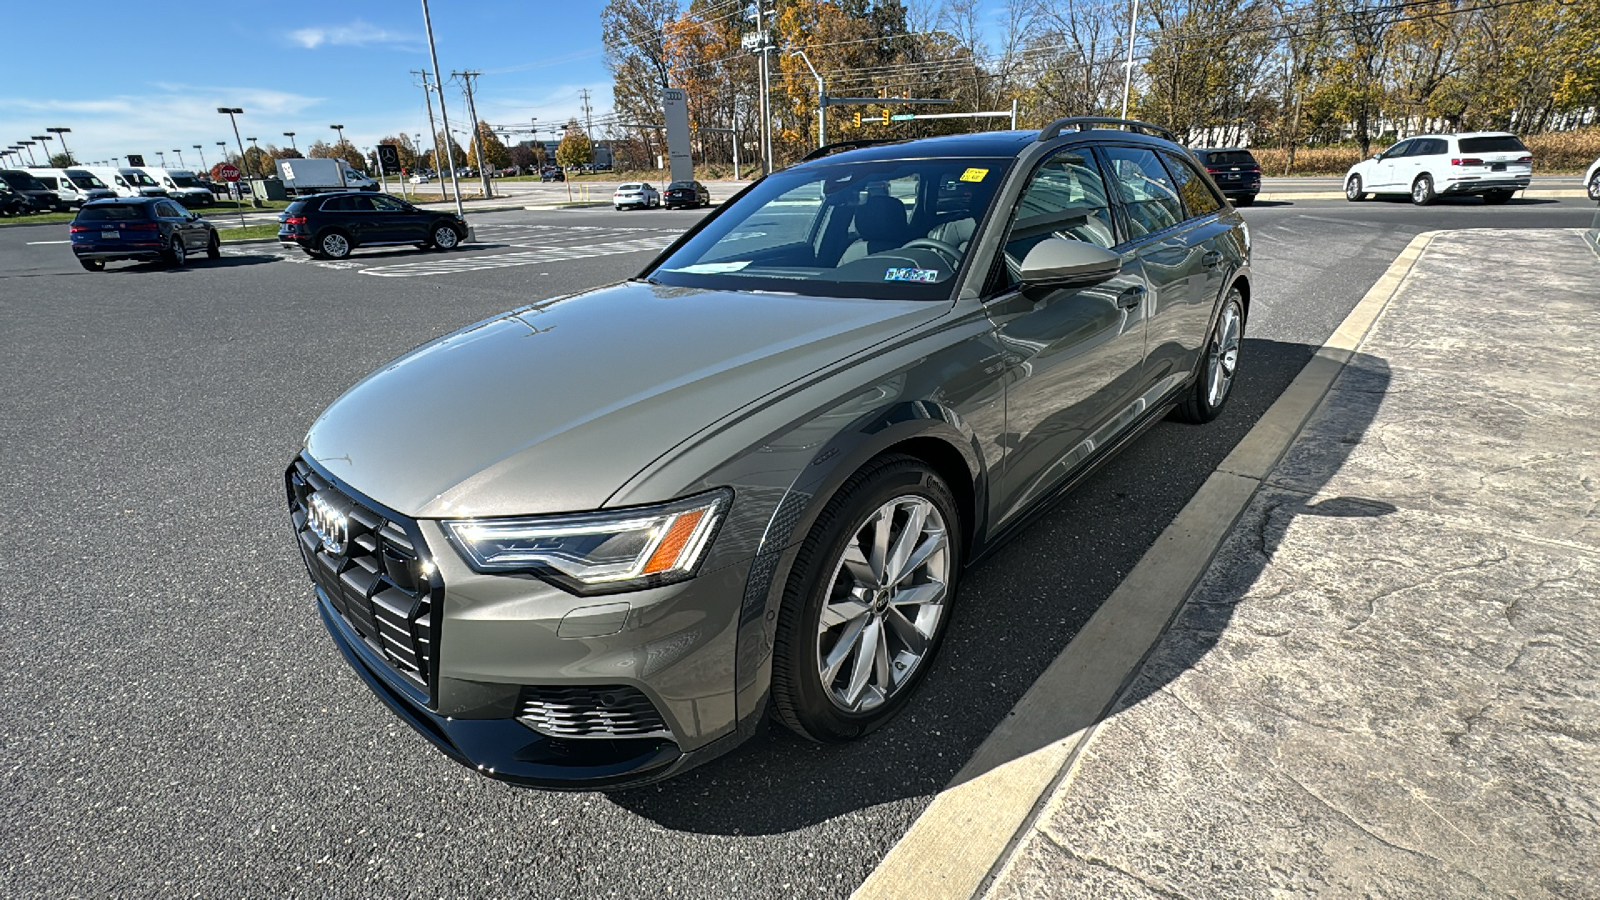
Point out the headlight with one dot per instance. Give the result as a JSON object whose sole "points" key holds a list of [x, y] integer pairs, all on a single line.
{"points": [[599, 552]]}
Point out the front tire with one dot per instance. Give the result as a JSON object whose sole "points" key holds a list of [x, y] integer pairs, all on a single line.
{"points": [[445, 238], [866, 604], [1353, 191], [214, 247], [1422, 191], [1219, 366]]}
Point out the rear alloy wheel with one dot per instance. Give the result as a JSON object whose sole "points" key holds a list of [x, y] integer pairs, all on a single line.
{"points": [[1353, 191], [445, 238], [334, 245], [175, 255], [214, 247], [866, 604], [1422, 191], [1495, 198], [93, 265], [1219, 366]]}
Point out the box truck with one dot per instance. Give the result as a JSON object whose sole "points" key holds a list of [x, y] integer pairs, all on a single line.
{"points": [[308, 176]]}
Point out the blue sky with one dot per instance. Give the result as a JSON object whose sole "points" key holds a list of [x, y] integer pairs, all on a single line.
{"points": [[138, 78]]}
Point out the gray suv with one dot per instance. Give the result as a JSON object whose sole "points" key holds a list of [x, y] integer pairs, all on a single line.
{"points": [[596, 540]]}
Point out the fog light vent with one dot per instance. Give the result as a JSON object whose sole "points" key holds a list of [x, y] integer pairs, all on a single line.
{"points": [[590, 711]]}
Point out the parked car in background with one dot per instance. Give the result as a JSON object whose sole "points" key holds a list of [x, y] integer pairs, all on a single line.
{"points": [[140, 228], [1235, 171], [685, 195], [13, 203], [1591, 180], [74, 187], [551, 173], [1493, 165], [31, 189], [181, 185], [421, 178], [637, 194], [596, 541], [333, 224]]}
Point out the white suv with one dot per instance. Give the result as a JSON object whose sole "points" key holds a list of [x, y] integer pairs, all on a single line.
{"points": [[1492, 164], [1591, 180]]}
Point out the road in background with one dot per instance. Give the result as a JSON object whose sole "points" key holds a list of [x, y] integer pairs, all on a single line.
{"points": [[175, 721]]}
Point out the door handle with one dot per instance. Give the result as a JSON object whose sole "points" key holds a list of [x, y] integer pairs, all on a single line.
{"points": [[1212, 259], [1131, 297]]}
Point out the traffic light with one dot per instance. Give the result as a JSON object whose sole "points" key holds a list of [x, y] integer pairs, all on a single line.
{"points": [[886, 115], [858, 118]]}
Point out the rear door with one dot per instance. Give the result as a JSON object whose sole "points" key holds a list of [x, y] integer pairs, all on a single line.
{"points": [[1073, 356]]}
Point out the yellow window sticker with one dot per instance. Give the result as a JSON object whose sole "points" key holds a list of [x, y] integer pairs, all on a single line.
{"points": [[974, 174]]}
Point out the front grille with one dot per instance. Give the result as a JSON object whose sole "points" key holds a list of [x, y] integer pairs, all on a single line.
{"points": [[378, 584], [588, 711]]}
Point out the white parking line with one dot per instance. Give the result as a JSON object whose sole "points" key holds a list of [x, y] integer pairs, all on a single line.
{"points": [[31, 243], [538, 256]]}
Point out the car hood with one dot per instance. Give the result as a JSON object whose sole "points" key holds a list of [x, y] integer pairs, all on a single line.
{"points": [[553, 407]]}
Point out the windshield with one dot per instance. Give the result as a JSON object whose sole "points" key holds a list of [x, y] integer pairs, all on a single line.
{"points": [[85, 180], [895, 229], [136, 177], [185, 181]]}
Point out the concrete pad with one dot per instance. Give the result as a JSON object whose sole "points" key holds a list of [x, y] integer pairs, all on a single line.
{"points": [[1384, 685]]}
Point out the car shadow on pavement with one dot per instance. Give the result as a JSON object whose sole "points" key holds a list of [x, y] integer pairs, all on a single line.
{"points": [[1015, 612], [228, 261]]}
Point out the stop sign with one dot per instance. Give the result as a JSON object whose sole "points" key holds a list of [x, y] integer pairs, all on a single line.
{"points": [[228, 172]]}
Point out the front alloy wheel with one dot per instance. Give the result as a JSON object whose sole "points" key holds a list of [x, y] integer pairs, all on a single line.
{"points": [[1353, 191], [445, 238], [867, 601]]}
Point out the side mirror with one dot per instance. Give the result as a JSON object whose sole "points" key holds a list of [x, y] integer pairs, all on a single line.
{"points": [[1056, 262], [1377, 156]]}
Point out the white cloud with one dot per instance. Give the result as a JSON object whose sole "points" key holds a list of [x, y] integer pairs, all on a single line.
{"points": [[355, 34]]}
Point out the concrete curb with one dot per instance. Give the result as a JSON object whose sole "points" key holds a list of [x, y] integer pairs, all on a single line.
{"points": [[966, 834]]}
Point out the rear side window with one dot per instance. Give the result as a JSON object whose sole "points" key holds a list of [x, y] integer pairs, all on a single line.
{"points": [[1145, 188], [112, 212], [48, 182], [1194, 188], [1496, 143], [1430, 147], [296, 208]]}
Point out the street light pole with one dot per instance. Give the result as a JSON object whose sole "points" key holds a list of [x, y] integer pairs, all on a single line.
{"points": [[1127, 74], [202, 153], [44, 147], [255, 202], [62, 133], [163, 158], [257, 149], [290, 136], [180, 158], [29, 146], [822, 100]]}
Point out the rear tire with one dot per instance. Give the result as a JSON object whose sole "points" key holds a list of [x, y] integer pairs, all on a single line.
{"points": [[1594, 187], [1218, 366], [175, 255], [868, 601], [1495, 198], [1422, 191], [93, 265], [334, 245]]}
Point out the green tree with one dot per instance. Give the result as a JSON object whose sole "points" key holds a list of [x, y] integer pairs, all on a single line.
{"points": [[495, 154], [342, 150], [407, 149], [575, 149], [62, 161], [442, 164]]}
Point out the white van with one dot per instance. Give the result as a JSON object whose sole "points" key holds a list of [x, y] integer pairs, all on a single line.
{"points": [[128, 182], [181, 185], [74, 186]]}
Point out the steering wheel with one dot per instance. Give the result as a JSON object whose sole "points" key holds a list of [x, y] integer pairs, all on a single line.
{"points": [[949, 250]]}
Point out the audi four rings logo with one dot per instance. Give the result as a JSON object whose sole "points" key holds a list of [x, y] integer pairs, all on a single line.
{"points": [[330, 525]]}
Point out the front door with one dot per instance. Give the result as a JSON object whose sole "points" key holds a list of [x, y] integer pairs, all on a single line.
{"points": [[1384, 174], [398, 222], [1073, 356]]}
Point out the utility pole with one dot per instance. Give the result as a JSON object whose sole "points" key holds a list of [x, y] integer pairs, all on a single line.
{"points": [[432, 128], [477, 133], [444, 115], [588, 119], [763, 47]]}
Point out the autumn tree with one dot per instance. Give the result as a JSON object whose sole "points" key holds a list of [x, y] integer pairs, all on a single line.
{"points": [[575, 149], [495, 155]]}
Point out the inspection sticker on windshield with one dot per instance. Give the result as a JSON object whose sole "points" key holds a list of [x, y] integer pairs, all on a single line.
{"points": [[924, 275], [974, 174]]}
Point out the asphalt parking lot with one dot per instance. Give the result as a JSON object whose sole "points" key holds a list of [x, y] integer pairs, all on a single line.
{"points": [[174, 721]]}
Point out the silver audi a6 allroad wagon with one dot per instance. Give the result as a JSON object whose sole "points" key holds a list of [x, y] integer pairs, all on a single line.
{"points": [[770, 455]]}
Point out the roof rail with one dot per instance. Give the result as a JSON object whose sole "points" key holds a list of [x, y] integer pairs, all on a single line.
{"points": [[825, 149], [1053, 130]]}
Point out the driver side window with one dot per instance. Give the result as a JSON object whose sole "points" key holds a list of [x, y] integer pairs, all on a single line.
{"points": [[1066, 199]]}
